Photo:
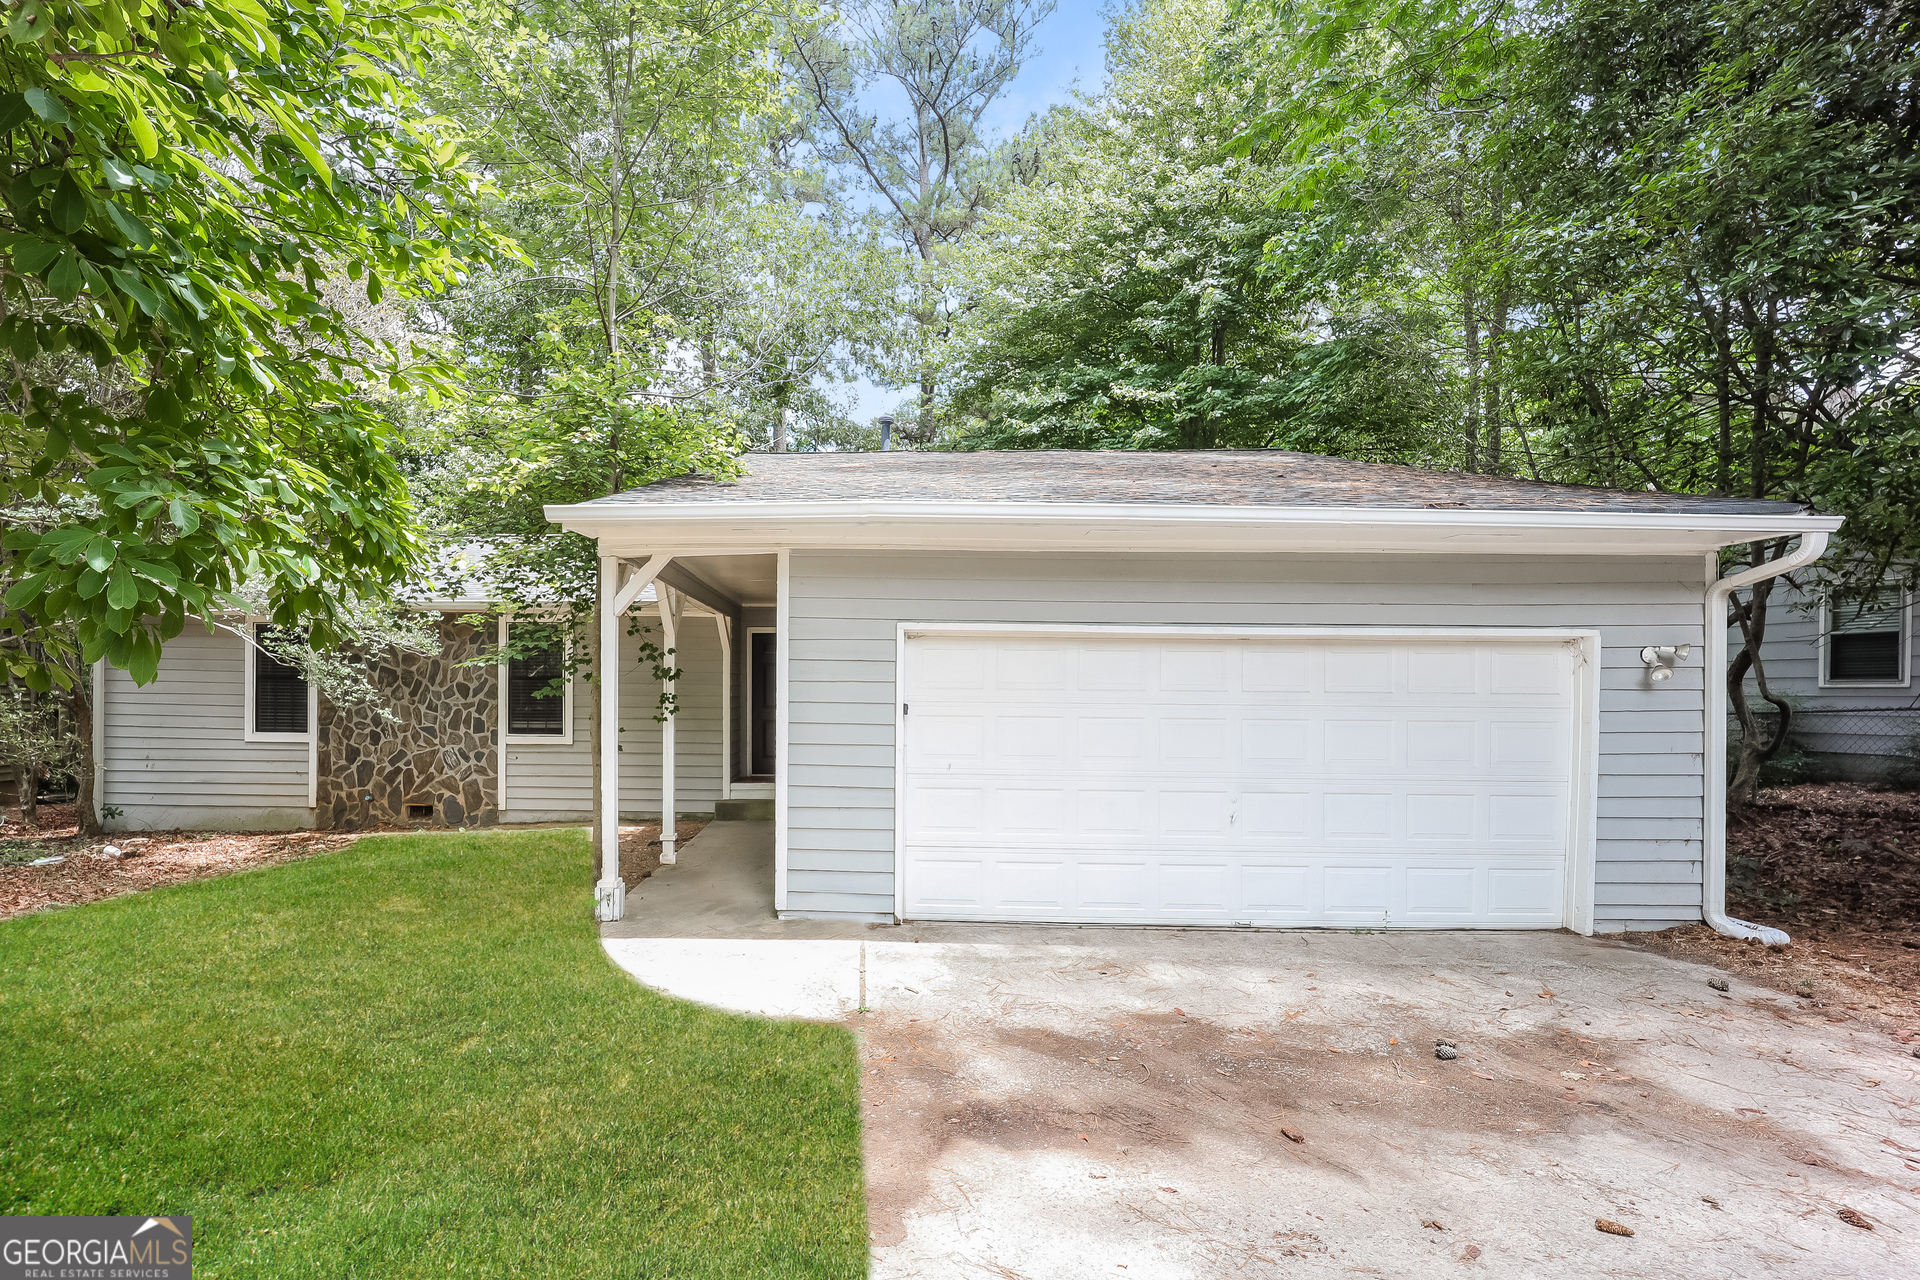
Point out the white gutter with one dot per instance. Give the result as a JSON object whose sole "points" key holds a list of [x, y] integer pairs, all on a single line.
{"points": [[1713, 902], [736, 511]]}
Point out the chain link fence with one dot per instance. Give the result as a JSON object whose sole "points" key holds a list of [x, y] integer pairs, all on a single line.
{"points": [[1874, 745]]}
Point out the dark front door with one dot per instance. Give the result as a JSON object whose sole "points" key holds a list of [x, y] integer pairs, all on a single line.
{"points": [[765, 701]]}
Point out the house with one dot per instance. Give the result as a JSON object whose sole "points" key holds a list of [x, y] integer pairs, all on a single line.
{"points": [[227, 737], [1236, 688], [1846, 670]]}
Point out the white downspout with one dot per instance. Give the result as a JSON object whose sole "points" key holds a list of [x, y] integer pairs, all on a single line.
{"points": [[610, 894], [669, 736], [1713, 901]]}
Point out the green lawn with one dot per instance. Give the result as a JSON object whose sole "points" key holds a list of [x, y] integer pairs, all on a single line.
{"points": [[412, 1058]]}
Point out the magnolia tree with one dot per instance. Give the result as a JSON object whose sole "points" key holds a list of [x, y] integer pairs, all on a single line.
{"points": [[188, 406]]}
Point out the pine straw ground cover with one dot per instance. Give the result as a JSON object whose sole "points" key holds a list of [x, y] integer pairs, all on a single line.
{"points": [[150, 859], [1838, 867], [410, 1057]]}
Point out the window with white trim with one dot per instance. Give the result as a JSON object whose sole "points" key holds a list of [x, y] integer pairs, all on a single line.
{"points": [[1865, 642], [539, 697], [279, 704]]}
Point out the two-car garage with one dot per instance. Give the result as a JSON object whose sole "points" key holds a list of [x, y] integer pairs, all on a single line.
{"points": [[1367, 778]]}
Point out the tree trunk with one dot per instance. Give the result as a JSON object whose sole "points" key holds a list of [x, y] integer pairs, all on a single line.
{"points": [[29, 794], [1723, 397], [1470, 332], [80, 706], [1755, 750], [1490, 417], [782, 398], [1762, 330]]}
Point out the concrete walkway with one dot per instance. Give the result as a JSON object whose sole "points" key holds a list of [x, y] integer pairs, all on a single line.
{"points": [[1059, 1103]]}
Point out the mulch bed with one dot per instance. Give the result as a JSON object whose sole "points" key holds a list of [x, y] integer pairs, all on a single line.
{"points": [[150, 859], [1838, 867], [147, 860], [640, 848]]}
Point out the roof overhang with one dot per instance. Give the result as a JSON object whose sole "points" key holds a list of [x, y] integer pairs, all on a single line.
{"points": [[737, 527]]}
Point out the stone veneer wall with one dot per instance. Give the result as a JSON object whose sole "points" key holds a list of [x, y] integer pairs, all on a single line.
{"points": [[440, 752]]}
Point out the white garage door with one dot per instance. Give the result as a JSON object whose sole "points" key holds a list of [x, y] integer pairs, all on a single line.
{"points": [[1229, 781]]}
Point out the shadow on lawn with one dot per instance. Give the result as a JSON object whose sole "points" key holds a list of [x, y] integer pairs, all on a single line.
{"points": [[410, 1057]]}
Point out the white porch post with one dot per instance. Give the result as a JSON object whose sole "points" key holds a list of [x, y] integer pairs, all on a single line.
{"points": [[724, 625], [669, 635], [610, 894]]}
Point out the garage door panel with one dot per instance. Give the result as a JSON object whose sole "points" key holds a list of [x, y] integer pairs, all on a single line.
{"points": [[1359, 743], [1281, 781], [1445, 746], [1112, 885], [1359, 892], [1113, 669], [1275, 889], [1357, 815], [1440, 893], [1030, 883], [1526, 893], [1452, 670], [1275, 669], [1442, 816], [1275, 815]]}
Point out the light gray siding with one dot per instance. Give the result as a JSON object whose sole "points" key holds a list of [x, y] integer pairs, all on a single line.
{"points": [[845, 607], [175, 752], [1792, 655], [554, 783], [1853, 730], [175, 755]]}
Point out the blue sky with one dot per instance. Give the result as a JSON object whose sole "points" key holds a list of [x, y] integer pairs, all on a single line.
{"points": [[1070, 56]]}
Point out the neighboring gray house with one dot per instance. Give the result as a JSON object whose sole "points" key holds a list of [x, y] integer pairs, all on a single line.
{"points": [[1847, 671], [1241, 688]]}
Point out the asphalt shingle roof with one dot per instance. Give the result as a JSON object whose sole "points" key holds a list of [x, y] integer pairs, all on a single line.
{"points": [[1226, 477]]}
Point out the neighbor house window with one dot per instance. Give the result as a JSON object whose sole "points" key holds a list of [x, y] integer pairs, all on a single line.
{"points": [[1866, 640], [538, 700], [277, 700]]}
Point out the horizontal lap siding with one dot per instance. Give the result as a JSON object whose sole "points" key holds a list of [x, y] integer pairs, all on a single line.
{"points": [[845, 608], [175, 751], [696, 733], [555, 782], [1791, 654]]}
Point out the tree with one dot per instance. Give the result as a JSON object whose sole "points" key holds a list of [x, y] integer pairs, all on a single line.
{"points": [[611, 130], [795, 297], [37, 740], [1123, 294], [929, 167], [190, 405]]}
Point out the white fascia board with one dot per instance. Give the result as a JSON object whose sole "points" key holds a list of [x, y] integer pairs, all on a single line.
{"points": [[691, 528]]}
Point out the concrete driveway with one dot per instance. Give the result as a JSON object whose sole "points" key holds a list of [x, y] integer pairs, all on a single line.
{"points": [[1072, 1102]]}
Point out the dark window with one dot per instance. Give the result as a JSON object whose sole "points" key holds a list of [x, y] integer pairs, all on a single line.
{"points": [[279, 692], [764, 703], [1863, 638], [536, 698]]}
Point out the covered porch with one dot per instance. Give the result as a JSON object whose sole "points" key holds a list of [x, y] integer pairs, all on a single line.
{"points": [[678, 597]]}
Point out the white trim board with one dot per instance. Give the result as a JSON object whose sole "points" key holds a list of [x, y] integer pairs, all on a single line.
{"points": [[1582, 830], [1823, 652], [562, 739], [249, 651], [783, 718], [714, 528]]}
